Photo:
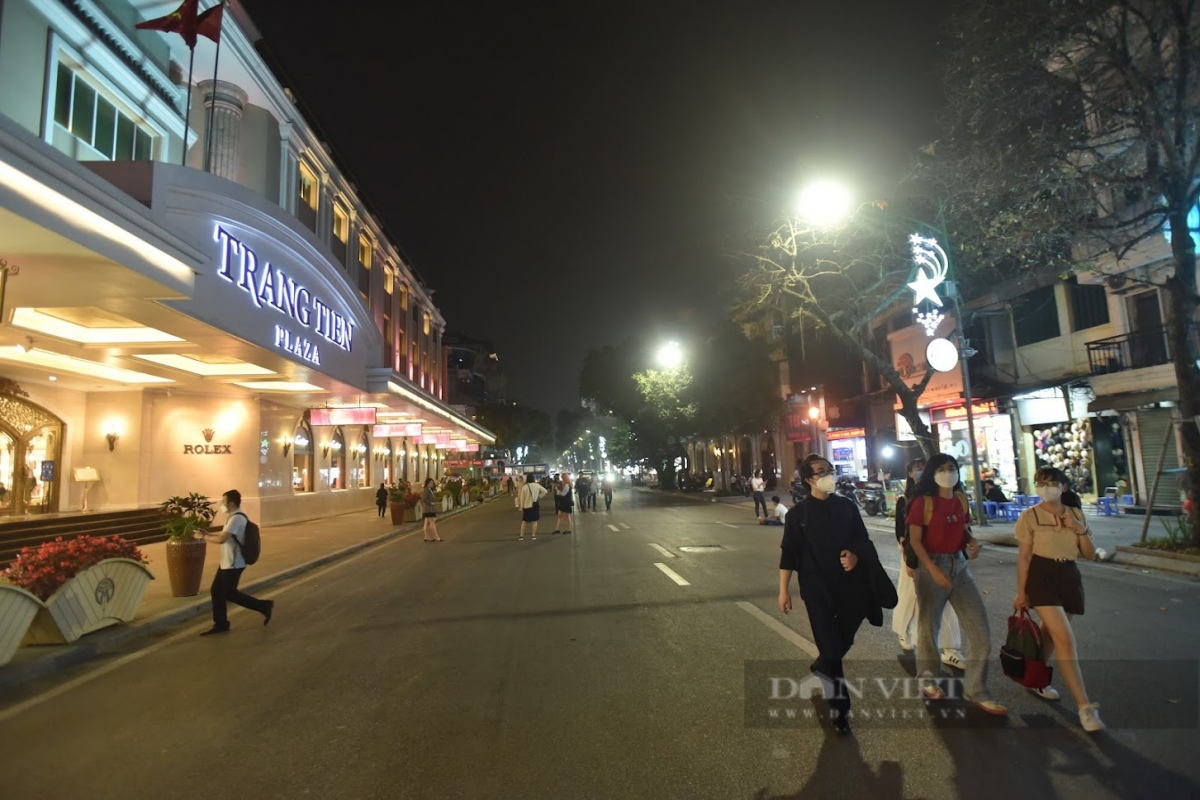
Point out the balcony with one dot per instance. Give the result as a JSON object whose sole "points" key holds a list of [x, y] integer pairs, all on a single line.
{"points": [[1137, 350]]}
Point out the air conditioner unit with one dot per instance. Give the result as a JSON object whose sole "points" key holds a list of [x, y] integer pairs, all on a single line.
{"points": [[1118, 284]]}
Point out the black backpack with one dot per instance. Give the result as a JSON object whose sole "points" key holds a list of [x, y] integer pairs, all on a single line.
{"points": [[251, 546]]}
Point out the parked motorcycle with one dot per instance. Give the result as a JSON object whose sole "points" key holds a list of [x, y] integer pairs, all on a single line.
{"points": [[874, 501], [847, 489], [799, 491]]}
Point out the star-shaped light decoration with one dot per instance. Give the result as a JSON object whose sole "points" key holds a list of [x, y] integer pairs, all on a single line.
{"points": [[932, 266], [925, 288]]}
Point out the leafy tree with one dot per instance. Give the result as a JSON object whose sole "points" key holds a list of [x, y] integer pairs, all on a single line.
{"points": [[519, 426], [1073, 140]]}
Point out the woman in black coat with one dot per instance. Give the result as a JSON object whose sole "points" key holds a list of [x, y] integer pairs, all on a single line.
{"points": [[381, 498]]}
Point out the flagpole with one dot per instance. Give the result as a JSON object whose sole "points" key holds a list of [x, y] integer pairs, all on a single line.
{"points": [[212, 107], [187, 109]]}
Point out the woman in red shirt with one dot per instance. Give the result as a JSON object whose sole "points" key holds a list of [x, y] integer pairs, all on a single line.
{"points": [[943, 548]]}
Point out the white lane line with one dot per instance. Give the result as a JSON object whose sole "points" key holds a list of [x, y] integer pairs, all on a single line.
{"points": [[727, 525], [671, 574], [663, 550], [613, 528], [623, 525], [779, 627], [61, 689]]}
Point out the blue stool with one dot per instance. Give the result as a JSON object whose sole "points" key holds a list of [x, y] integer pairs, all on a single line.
{"points": [[1109, 504], [1127, 500], [1019, 500], [1032, 501], [1010, 511], [992, 509]]}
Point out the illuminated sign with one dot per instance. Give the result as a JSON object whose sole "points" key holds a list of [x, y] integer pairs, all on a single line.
{"points": [[932, 266], [845, 433], [983, 409], [268, 285], [342, 416], [404, 429]]}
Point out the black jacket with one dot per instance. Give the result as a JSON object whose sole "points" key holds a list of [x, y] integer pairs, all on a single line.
{"points": [[813, 551]]}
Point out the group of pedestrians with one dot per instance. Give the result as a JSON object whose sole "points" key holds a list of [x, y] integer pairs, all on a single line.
{"points": [[825, 543], [563, 490]]}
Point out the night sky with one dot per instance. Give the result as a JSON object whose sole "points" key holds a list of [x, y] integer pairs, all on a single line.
{"points": [[565, 175]]}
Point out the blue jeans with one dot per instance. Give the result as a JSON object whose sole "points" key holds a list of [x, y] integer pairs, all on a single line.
{"points": [[964, 597], [760, 499]]}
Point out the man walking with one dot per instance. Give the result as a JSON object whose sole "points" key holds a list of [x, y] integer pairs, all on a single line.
{"points": [[824, 541], [225, 585]]}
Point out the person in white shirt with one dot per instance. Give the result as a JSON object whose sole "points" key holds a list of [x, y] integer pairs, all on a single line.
{"points": [[777, 515], [225, 585], [529, 500], [758, 486]]}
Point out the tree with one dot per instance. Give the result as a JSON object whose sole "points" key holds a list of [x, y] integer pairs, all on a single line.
{"points": [[839, 280], [519, 426], [1073, 131]]}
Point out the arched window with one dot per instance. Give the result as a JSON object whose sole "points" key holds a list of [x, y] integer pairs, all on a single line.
{"points": [[337, 460], [389, 474], [302, 459], [362, 462]]}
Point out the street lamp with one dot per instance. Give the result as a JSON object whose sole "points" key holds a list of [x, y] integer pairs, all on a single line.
{"points": [[823, 203], [670, 355]]}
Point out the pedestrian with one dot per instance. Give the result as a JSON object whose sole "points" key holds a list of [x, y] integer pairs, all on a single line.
{"points": [[1050, 537], [582, 487], [950, 633], [381, 498], [993, 493], [826, 544], [429, 499], [564, 505], [224, 588], [943, 544], [529, 500], [757, 487], [778, 515], [607, 487]]}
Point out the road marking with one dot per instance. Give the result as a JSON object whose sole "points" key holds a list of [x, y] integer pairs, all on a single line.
{"points": [[727, 525], [613, 528], [671, 574], [779, 627], [623, 525], [663, 550], [61, 689]]}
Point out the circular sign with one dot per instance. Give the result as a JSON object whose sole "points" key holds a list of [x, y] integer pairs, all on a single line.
{"points": [[942, 355]]}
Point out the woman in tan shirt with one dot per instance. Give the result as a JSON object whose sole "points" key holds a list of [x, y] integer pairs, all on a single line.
{"points": [[1051, 537]]}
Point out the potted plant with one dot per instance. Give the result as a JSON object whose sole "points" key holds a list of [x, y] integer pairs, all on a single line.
{"points": [[401, 502], [182, 517], [85, 583], [454, 486]]}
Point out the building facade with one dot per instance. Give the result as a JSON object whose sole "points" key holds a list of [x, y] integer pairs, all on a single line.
{"points": [[195, 309]]}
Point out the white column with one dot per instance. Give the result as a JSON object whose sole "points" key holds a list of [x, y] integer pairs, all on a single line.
{"points": [[289, 169], [223, 105]]}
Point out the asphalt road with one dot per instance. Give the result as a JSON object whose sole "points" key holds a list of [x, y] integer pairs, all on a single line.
{"points": [[577, 667]]}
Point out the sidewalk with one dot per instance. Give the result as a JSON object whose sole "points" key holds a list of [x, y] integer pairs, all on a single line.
{"points": [[288, 550]]}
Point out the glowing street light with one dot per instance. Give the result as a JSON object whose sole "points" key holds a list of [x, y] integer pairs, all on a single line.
{"points": [[823, 204], [670, 355]]}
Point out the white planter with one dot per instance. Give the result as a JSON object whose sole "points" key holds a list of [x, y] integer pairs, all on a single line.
{"points": [[17, 610], [103, 595], [447, 503]]}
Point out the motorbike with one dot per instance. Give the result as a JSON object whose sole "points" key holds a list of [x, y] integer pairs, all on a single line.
{"points": [[874, 501], [799, 491], [847, 489]]}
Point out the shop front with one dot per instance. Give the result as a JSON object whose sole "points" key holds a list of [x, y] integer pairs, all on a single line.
{"points": [[185, 334], [848, 452], [993, 442]]}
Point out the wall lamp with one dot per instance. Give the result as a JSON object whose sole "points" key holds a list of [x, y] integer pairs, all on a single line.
{"points": [[112, 438], [287, 445]]}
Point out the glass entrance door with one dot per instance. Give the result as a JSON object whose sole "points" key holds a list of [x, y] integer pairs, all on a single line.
{"points": [[8, 451]]}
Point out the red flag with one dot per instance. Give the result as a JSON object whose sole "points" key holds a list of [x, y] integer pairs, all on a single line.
{"points": [[182, 21], [209, 23]]}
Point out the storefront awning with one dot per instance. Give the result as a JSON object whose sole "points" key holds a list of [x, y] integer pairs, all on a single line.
{"points": [[1129, 400]]}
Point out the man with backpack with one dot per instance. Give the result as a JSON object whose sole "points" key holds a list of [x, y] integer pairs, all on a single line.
{"points": [[240, 546]]}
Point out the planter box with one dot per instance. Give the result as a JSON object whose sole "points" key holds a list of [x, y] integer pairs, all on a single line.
{"points": [[103, 595], [17, 610]]}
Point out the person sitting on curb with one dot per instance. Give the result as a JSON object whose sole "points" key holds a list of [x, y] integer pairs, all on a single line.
{"points": [[777, 515]]}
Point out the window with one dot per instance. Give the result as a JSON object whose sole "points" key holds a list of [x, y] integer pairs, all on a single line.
{"points": [[94, 120], [309, 194], [428, 320], [404, 298], [389, 281], [337, 461], [362, 457], [366, 251], [341, 233], [401, 351], [302, 450], [1089, 305], [388, 350], [1036, 317]]}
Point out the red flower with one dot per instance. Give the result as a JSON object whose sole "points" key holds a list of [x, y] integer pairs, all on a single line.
{"points": [[43, 570]]}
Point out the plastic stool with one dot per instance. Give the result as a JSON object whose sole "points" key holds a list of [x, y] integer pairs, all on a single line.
{"points": [[1011, 511]]}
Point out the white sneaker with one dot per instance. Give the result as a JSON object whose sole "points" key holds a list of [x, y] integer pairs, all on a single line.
{"points": [[1089, 718], [953, 658], [1049, 693], [906, 644]]}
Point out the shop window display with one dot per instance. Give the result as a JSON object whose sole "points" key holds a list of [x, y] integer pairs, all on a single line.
{"points": [[1069, 448], [302, 455]]}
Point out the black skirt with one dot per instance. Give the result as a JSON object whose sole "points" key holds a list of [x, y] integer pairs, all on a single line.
{"points": [[1054, 583]]}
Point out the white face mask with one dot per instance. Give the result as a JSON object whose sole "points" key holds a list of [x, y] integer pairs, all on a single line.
{"points": [[224, 509], [946, 480], [826, 483], [1049, 494]]}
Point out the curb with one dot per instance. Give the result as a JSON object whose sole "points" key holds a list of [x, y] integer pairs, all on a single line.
{"points": [[1136, 557], [118, 637]]}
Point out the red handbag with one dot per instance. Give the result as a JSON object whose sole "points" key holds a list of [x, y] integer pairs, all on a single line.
{"points": [[1021, 656]]}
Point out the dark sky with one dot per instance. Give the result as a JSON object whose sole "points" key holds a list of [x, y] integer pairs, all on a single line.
{"points": [[567, 174]]}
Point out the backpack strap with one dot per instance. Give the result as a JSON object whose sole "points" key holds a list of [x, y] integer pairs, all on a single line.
{"points": [[236, 542]]}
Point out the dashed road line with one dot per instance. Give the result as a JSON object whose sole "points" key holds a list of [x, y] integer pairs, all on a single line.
{"points": [[623, 525], [727, 525], [613, 528], [663, 550], [671, 574], [779, 627]]}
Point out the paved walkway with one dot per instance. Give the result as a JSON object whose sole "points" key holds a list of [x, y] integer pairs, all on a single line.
{"points": [[288, 550]]}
